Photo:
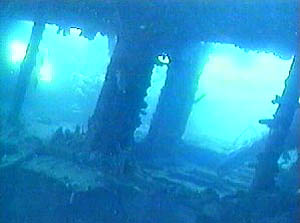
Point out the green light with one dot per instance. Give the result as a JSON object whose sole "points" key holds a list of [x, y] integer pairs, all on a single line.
{"points": [[46, 72], [18, 51], [75, 31]]}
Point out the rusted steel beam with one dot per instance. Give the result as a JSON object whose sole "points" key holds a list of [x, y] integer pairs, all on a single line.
{"points": [[25, 71], [267, 167]]}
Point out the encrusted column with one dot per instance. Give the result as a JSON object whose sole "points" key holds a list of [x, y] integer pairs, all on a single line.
{"points": [[178, 94], [267, 168], [117, 112], [25, 71]]}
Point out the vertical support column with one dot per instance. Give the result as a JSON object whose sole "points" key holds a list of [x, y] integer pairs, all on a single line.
{"points": [[178, 95], [121, 99], [267, 167], [25, 71]]}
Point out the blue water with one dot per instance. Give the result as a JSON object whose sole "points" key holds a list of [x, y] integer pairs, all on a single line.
{"points": [[46, 175]]}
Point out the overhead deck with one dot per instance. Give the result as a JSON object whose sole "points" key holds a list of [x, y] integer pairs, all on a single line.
{"points": [[263, 25]]}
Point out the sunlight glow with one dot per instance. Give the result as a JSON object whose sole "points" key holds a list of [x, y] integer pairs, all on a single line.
{"points": [[18, 51], [238, 88], [46, 73]]}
